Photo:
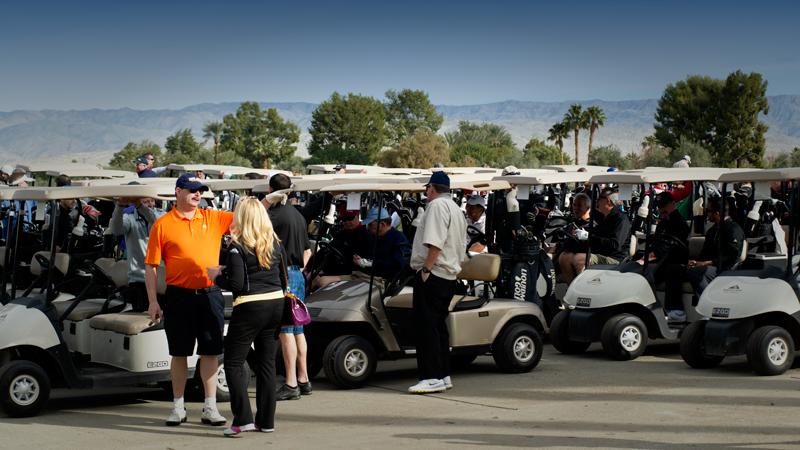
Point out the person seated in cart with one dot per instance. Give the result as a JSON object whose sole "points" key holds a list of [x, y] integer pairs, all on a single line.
{"points": [[581, 208], [386, 260], [476, 217], [700, 272], [609, 240], [671, 225], [353, 239]]}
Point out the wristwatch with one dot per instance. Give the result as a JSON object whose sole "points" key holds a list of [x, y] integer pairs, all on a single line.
{"points": [[425, 270]]}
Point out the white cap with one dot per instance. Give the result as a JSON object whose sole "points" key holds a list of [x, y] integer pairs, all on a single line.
{"points": [[510, 170], [686, 157], [21, 179], [477, 200], [7, 169]]}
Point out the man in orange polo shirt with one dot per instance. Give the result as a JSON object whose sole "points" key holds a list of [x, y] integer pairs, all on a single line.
{"points": [[188, 240]]}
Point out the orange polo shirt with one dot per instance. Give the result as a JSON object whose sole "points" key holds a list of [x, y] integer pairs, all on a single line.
{"points": [[188, 246]]}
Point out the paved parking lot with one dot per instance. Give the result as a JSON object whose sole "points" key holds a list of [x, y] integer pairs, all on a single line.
{"points": [[584, 401]]}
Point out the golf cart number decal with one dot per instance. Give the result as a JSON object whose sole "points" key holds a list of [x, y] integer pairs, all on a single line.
{"points": [[154, 364], [483, 314], [583, 301], [721, 312]]}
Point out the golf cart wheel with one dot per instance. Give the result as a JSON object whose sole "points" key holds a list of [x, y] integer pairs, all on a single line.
{"points": [[223, 392], [693, 347], [624, 337], [24, 389], [350, 361], [461, 361], [517, 349], [770, 350], [559, 335]]}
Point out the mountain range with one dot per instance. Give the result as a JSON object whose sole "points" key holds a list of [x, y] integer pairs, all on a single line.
{"points": [[55, 135]]}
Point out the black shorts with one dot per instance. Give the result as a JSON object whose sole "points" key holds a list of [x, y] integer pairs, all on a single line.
{"points": [[190, 318]]}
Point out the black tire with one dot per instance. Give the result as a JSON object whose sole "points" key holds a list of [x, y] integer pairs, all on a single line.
{"points": [[24, 389], [223, 393], [624, 337], [313, 362], [693, 347], [350, 361], [461, 361], [770, 350], [517, 349], [559, 335]]}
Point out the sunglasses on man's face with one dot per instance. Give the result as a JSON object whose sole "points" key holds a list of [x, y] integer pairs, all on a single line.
{"points": [[192, 191]]}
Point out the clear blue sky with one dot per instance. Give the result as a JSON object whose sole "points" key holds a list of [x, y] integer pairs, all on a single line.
{"points": [[169, 55]]}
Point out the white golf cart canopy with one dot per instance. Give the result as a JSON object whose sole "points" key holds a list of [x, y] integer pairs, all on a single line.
{"points": [[478, 185], [757, 175], [42, 194], [659, 176], [575, 167], [371, 170], [235, 170], [91, 173], [545, 178], [44, 167], [307, 185]]}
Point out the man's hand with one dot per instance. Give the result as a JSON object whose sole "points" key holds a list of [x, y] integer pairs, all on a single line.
{"points": [[123, 202], [425, 276], [213, 272], [640, 262], [154, 310], [691, 264], [136, 202], [355, 259], [698, 264]]}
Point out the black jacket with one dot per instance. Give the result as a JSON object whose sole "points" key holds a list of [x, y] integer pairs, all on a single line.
{"points": [[246, 277], [610, 237], [674, 226], [732, 240], [350, 243]]}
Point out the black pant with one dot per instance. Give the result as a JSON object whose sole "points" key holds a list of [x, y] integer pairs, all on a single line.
{"points": [[676, 274], [431, 302], [256, 322]]}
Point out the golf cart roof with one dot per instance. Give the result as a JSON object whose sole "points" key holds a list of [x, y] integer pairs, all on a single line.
{"points": [[235, 170], [91, 173], [659, 176], [7, 192], [371, 170], [757, 175], [232, 185], [575, 167], [546, 178], [463, 170], [60, 193], [486, 176], [478, 185], [305, 185], [123, 181], [44, 167]]}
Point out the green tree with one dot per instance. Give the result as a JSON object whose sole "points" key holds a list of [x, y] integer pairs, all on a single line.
{"points": [[611, 156], [558, 132], [518, 159], [352, 122], [421, 150], [483, 153], [249, 123], [739, 135], [213, 130], [700, 156], [651, 155], [688, 109], [184, 142], [597, 119], [546, 154], [293, 164], [408, 111], [487, 133], [265, 148], [576, 119], [336, 154], [123, 159]]}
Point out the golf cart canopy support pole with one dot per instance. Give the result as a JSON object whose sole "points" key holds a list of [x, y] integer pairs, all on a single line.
{"points": [[374, 254], [54, 212]]}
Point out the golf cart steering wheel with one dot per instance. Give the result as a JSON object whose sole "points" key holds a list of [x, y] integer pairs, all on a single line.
{"points": [[673, 243], [44, 262], [564, 236], [326, 245], [99, 274], [476, 236]]}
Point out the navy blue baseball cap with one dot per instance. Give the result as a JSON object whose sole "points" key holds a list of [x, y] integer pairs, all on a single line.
{"points": [[140, 160], [439, 178], [190, 181]]}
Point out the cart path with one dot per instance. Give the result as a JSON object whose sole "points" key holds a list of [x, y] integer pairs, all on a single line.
{"points": [[581, 401]]}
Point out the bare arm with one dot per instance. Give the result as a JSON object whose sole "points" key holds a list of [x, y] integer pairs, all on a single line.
{"points": [[433, 255], [306, 256], [151, 283]]}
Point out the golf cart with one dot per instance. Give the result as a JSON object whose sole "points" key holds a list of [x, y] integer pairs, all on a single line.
{"points": [[620, 305], [754, 312], [81, 343], [355, 323]]}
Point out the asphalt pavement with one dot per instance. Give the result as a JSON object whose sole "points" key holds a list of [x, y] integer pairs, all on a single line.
{"points": [[577, 401]]}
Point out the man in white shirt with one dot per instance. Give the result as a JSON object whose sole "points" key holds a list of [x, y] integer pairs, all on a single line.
{"points": [[436, 256], [476, 217]]}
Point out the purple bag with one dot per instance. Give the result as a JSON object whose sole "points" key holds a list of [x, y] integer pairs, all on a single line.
{"points": [[295, 313]]}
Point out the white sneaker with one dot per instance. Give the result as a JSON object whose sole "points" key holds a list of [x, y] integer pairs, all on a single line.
{"points": [[176, 418], [427, 386], [447, 383], [676, 316], [212, 417]]}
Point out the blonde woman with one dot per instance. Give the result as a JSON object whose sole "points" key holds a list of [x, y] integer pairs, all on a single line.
{"points": [[255, 276]]}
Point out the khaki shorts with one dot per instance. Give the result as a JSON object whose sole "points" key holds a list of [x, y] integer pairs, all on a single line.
{"points": [[364, 277], [600, 259]]}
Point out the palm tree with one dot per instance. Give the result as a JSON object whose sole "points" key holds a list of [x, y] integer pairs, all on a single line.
{"points": [[598, 119], [265, 148], [214, 130], [576, 119], [558, 132]]}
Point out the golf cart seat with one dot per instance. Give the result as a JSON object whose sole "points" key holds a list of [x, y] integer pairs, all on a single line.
{"points": [[631, 249], [687, 287], [127, 323], [481, 267], [119, 273], [695, 246], [62, 263], [106, 264]]}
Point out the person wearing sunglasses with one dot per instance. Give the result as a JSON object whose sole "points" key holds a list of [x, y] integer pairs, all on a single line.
{"points": [[151, 160], [700, 272], [188, 240], [609, 240]]}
